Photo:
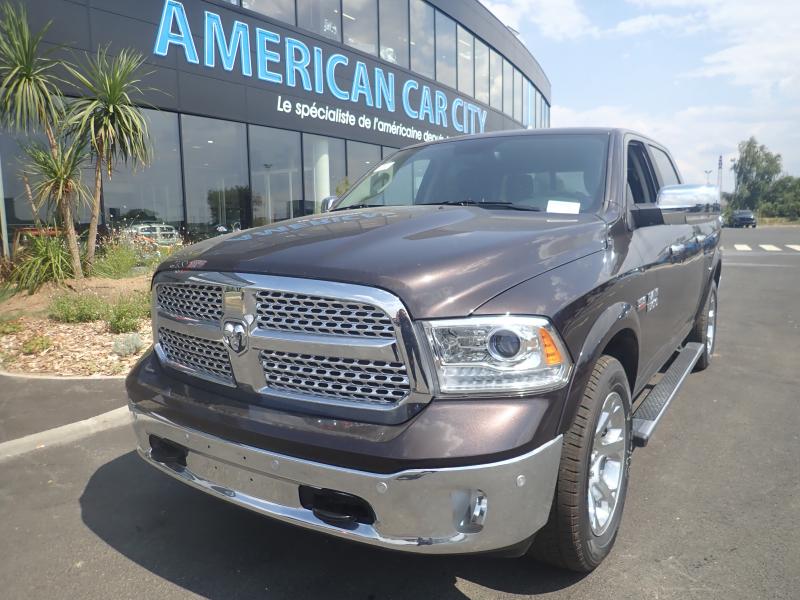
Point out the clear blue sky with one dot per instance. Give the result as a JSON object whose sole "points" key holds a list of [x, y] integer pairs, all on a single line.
{"points": [[698, 75]]}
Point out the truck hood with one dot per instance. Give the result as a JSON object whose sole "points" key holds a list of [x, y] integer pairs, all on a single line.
{"points": [[442, 261]]}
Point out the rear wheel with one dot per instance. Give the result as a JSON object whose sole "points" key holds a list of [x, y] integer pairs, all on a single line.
{"points": [[705, 328], [593, 475]]}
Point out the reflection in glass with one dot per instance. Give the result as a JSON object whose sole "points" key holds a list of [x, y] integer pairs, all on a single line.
{"points": [[323, 170], [394, 32], [466, 73], [282, 10], [152, 194], [320, 16], [360, 24], [445, 49], [538, 110], [215, 163], [360, 159], [526, 95], [508, 88], [496, 78], [481, 72], [423, 60], [19, 212], [275, 168], [517, 95]]}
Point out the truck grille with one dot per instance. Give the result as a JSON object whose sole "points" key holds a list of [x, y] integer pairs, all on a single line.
{"points": [[195, 300], [371, 381], [288, 311], [204, 357]]}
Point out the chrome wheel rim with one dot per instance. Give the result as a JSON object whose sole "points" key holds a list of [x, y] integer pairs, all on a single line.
{"points": [[607, 463], [712, 323]]}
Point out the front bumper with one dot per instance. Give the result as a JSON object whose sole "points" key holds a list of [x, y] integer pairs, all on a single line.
{"points": [[453, 510]]}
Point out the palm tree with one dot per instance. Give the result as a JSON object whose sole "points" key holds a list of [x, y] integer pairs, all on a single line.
{"points": [[107, 117], [56, 176], [30, 98]]}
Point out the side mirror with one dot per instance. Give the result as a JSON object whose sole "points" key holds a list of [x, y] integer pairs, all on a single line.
{"points": [[328, 203], [689, 203]]}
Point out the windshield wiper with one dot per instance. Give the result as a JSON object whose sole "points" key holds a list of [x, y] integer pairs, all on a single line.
{"points": [[508, 205], [362, 205]]}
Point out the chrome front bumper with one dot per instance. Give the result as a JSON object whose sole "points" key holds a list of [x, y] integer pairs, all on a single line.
{"points": [[435, 511]]}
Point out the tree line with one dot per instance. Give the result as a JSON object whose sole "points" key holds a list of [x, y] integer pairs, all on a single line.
{"points": [[761, 184]]}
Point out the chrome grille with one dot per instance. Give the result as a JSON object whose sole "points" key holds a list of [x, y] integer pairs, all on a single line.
{"points": [[361, 380], [287, 311], [195, 300], [205, 357]]}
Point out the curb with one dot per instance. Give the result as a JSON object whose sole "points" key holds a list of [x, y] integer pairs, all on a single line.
{"points": [[48, 376], [64, 434]]}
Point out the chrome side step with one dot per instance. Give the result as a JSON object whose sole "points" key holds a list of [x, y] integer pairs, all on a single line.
{"points": [[650, 411]]}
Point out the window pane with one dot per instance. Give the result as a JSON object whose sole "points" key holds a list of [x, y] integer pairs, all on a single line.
{"points": [[423, 60], [320, 16], [360, 24], [275, 168], [387, 151], [215, 163], [526, 101], [669, 176], [19, 212], [538, 110], [282, 10], [323, 170], [466, 73], [496, 74], [445, 50], [508, 88], [481, 72], [517, 95], [394, 31], [360, 159], [152, 194]]}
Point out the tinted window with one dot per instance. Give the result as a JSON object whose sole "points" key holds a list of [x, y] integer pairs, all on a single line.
{"points": [[282, 10], [445, 49], [215, 163], [423, 60], [466, 68], [496, 76], [360, 24], [640, 188], [275, 174], [667, 171], [323, 170], [394, 31], [554, 173], [481, 72], [135, 195], [320, 16]]}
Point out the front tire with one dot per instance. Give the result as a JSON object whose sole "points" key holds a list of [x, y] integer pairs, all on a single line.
{"points": [[593, 475]]}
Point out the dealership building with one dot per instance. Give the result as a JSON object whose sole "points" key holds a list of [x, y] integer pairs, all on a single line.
{"points": [[262, 108]]}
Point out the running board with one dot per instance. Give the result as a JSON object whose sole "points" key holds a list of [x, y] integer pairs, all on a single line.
{"points": [[650, 411]]}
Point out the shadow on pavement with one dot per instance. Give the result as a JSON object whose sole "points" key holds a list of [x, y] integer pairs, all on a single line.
{"points": [[221, 551]]}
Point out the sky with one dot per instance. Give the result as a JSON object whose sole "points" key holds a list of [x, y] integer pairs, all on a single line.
{"points": [[699, 76]]}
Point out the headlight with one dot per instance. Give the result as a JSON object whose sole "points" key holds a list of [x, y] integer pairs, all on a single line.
{"points": [[490, 355]]}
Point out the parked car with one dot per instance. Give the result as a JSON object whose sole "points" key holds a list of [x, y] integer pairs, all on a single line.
{"points": [[459, 357], [743, 218], [161, 233]]}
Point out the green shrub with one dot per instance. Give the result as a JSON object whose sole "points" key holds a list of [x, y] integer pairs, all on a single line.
{"points": [[45, 259], [117, 260], [78, 308], [36, 345], [124, 315], [125, 345], [8, 327]]}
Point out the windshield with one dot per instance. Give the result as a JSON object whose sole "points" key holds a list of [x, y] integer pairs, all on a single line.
{"points": [[550, 173]]}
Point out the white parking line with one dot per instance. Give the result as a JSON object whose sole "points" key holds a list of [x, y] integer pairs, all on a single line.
{"points": [[742, 247], [770, 248], [793, 247]]}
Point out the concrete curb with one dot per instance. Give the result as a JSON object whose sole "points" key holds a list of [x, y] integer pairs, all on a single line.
{"points": [[71, 377], [64, 434]]}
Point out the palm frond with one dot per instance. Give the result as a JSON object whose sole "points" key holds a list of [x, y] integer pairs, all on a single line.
{"points": [[56, 174]]}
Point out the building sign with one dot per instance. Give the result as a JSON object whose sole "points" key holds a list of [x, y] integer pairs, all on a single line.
{"points": [[334, 87]]}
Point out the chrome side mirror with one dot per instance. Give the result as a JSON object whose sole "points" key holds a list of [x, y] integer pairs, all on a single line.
{"points": [[688, 203], [328, 203]]}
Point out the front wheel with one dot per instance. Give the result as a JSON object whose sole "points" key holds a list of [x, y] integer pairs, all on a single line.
{"points": [[593, 475]]}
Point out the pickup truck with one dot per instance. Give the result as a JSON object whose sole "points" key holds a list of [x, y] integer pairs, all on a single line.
{"points": [[458, 356]]}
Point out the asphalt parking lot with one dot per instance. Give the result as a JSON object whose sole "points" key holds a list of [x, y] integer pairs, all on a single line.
{"points": [[713, 509]]}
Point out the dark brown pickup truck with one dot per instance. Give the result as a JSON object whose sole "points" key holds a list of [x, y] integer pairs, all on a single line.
{"points": [[457, 357]]}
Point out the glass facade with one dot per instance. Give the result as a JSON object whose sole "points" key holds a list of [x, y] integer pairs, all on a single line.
{"points": [[360, 24], [324, 170], [393, 27], [276, 174], [445, 50], [151, 194], [466, 61], [360, 159], [496, 79], [423, 59], [321, 17], [508, 88], [282, 10], [517, 96], [481, 72], [215, 175]]}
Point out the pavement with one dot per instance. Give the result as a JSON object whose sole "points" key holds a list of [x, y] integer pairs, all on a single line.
{"points": [[712, 508]]}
